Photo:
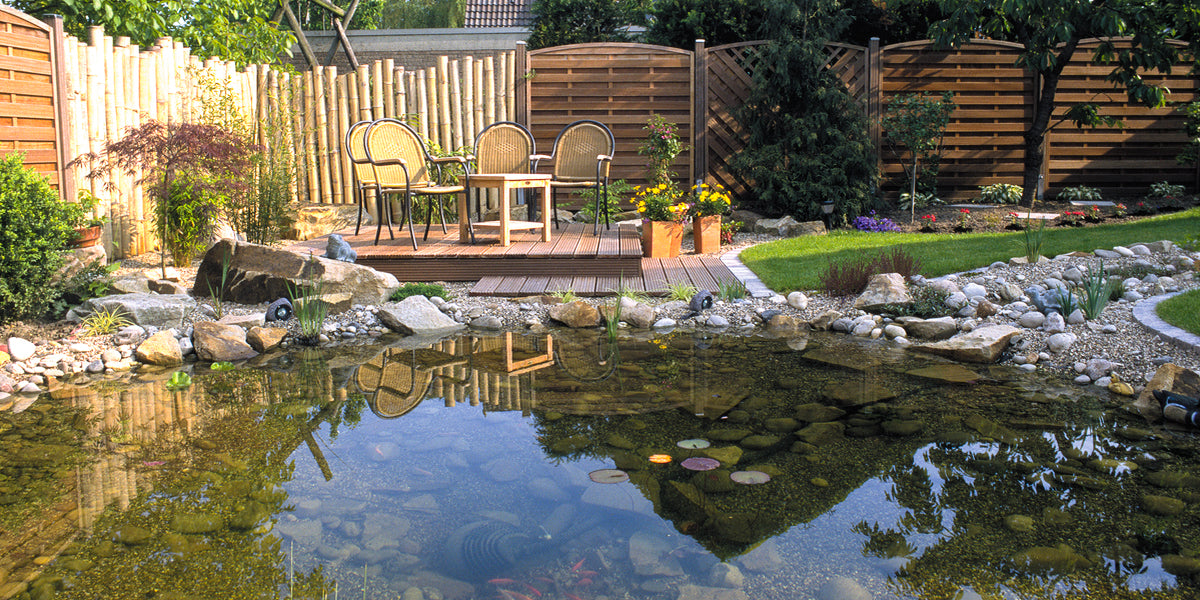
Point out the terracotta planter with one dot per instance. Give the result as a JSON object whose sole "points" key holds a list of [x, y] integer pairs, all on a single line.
{"points": [[661, 239], [86, 237], [706, 231]]}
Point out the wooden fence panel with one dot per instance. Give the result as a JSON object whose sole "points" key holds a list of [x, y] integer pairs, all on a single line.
{"points": [[1122, 162], [618, 84], [729, 76], [28, 117], [984, 141]]}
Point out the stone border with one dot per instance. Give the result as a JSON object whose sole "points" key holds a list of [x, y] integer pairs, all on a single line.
{"points": [[1145, 313], [754, 285]]}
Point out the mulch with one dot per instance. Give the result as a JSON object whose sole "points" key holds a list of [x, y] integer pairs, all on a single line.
{"points": [[985, 219]]}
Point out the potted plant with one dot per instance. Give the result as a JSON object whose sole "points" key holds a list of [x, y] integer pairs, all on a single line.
{"points": [[663, 211], [88, 227], [708, 205]]}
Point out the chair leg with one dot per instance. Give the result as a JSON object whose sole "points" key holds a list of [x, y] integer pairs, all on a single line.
{"points": [[381, 204], [408, 203], [554, 205], [607, 225], [442, 212], [361, 202]]}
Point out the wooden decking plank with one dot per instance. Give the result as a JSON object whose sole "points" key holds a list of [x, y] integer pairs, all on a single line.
{"points": [[610, 241], [697, 272], [583, 286], [559, 283], [675, 272], [631, 242], [486, 286], [511, 286], [607, 286], [589, 245], [718, 270], [569, 237], [535, 285], [653, 277]]}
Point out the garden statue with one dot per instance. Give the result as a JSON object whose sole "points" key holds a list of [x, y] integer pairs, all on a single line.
{"points": [[339, 249]]}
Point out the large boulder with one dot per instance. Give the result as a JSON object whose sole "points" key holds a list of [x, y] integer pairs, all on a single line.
{"points": [[982, 345], [157, 310], [883, 289], [218, 342], [264, 274], [416, 315], [576, 314], [931, 329], [160, 349]]}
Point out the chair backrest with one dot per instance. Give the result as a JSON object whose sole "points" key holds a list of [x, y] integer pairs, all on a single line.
{"points": [[503, 147], [356, 149], [576, 149], [389, 139]]}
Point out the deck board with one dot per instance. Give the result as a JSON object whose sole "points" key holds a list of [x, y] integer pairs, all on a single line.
{"points": [[696, 271]]}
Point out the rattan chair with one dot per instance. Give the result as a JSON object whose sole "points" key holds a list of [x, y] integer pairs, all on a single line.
{"points": [[583, 152], [503, 147], [364, 176], [401, 162]]}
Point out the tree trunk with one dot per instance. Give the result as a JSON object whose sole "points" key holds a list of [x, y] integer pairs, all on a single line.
{"points": [[1043, 109]]}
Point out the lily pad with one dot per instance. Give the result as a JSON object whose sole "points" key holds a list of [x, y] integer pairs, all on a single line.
{"points": [[609, 476], [693, 444], [700, 463], [749, 477]]}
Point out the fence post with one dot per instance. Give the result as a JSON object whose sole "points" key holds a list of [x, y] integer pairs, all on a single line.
{"points": [[521, 82], [699, 113], [62, 116], [875, 95]]}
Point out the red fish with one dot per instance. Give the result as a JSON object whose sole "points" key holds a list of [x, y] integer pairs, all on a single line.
{"points": [[501, 581], [544, 580], [511, 595], [578, 565], [588, 573], [536, 592], [583, 582]]}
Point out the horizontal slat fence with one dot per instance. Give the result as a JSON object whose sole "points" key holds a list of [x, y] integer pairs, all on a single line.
{"points": [[27, 108]]}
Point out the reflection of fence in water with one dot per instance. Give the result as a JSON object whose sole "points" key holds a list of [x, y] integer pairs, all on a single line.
{"points": [[496, 372]]}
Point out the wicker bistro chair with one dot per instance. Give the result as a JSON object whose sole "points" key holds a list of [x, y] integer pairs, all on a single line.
{"points": [[583, 152], [401, 164], [502, 147], [364, 175]]}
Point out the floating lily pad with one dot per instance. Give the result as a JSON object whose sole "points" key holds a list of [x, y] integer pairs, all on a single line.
{"points": [[693, 444], [700, 463], [749, 477], [609, 476]]}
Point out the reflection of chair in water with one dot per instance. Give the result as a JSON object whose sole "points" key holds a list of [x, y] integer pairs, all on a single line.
{"points": [[394, 382], [585, 365], [503, 368]]}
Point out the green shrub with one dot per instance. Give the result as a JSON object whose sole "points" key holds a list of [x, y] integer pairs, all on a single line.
{"points": [[999, 193], [1080, 193], [34, 230], [429, 290], [616, 190], [928, 302]]}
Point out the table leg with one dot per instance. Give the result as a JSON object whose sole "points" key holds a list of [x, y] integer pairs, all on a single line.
{"points": [[505, 215], [546, 211], [464, 228]]}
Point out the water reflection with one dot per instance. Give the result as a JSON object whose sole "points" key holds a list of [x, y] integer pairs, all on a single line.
{"points": [[495, 467]]}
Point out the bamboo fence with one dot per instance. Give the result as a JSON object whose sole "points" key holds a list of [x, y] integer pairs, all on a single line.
{"points": [[112, 86]]}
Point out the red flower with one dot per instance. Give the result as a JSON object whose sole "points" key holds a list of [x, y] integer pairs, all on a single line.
{"points": [[964, 210]]}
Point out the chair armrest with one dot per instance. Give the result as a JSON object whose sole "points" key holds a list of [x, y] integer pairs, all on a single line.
{"points": [[445, 159], [540, 157], [603, 157], [389, 161]]}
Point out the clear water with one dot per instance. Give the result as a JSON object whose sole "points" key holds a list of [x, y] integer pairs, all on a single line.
{"points": [[496, 468]]}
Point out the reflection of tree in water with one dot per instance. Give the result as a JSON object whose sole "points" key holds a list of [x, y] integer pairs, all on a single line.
{"points": [[205, 531]]}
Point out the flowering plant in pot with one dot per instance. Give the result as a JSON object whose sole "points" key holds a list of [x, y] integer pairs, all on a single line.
{"points": [[88, 225], [663, 209], [708, 204]]}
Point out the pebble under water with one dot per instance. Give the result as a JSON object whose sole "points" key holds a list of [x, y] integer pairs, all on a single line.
{"points": [[562, 466]]}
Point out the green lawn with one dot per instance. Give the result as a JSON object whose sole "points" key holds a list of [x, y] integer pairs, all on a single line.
{"points": [[797, 263], [1182, 311]]}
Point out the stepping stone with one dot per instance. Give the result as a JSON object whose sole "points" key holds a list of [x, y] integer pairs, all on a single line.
{"points": [[1096, 203], [1037, 216]]}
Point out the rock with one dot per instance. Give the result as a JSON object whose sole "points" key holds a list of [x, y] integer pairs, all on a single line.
{"points": [[162, 286], [161, 349], [158, 310], [891, 330], [1077, 317], [1019, 523], [1162, 505], [1010, 292], [952, 373], [1181, 566], [664, 323], [986, 309], [822, 322], [883, 289], [20, 349], [1031, 320], [981, 345], [842, 588], [638, 315], [260, 274], [416, 315], [725, 575], [489, 322], [717, 321], [797, 300], [821, 433], [577, 314], [857, 393], [243, 321], [788, 227], [338, 248], [747, 218], [651, 556], [1060, 342], [1097, 367], [698, 592], [1043, 559], [1054, 323], [931, 329], [814, 412], [265, 339], [215, 342], [974, 290]]}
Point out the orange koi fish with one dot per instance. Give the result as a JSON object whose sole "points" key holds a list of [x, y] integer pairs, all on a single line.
{"points": [[583, 582], [536, 592], [511, 595], [501, 581], [578, 565], [588, 573]]}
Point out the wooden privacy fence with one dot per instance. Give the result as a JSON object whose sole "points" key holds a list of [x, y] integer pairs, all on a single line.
{"points": [[28, 119]]}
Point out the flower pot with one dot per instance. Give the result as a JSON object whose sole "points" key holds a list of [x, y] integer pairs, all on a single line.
{"points": [[706, 231], [661, 239], [86, 237]]}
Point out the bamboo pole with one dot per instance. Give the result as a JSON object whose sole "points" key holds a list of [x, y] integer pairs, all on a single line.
{"points": [[364, 94], [480, 98], [489, 92], [411, 99], [456, 102], [95, 101], [321, 85], [310, 136], [467, 112], [344, 116], [422, 105], [431, 106], [401, 97], [510, 85], [335, 135], [377, 89], [443, 104], [389, 88], [501, 87], [352, 95]]}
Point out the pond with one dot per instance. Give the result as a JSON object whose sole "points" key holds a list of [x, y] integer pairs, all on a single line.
{"points": [[563, 466]]}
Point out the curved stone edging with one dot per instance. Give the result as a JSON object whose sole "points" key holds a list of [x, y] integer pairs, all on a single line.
{"points": [[754, 285], [1145, 313]]}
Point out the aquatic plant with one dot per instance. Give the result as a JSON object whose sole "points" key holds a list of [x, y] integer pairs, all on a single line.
{"points": [[612, 324], [222, 365], [179, 380], [734, 290], [566, 296], [310, 309], [1097, 291], [218, 304]]}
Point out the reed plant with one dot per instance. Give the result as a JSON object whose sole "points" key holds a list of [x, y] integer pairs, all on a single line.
{"points": [[612, 324], [1097, 290], [104, 321], [1034, 239], [218, 301], [728, 291], [307, 303], [681, 291]]}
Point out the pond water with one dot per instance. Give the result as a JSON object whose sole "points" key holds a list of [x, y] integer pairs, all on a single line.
{"points": [[566, 467]]}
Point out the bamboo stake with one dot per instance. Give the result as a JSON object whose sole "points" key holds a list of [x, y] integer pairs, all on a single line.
{"points": [[468, 109], [111, 132], [335, 135], [352, 95], [456, 102], [344, 116], [410, 106], [501, 84], [389, 88], [510, 85], [377, 89], [443, 103], [310, 135], [431, 107], [489, 93], [422, 105], [401, 94], [296, 89], [480, 98], [95, 101], [322, 113], [363, 93]]}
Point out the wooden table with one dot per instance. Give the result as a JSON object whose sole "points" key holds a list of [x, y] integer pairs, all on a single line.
{"points": [[506, 182]]}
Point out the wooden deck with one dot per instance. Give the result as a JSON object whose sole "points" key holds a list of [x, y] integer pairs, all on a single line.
{"points": [[575, 260]]}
